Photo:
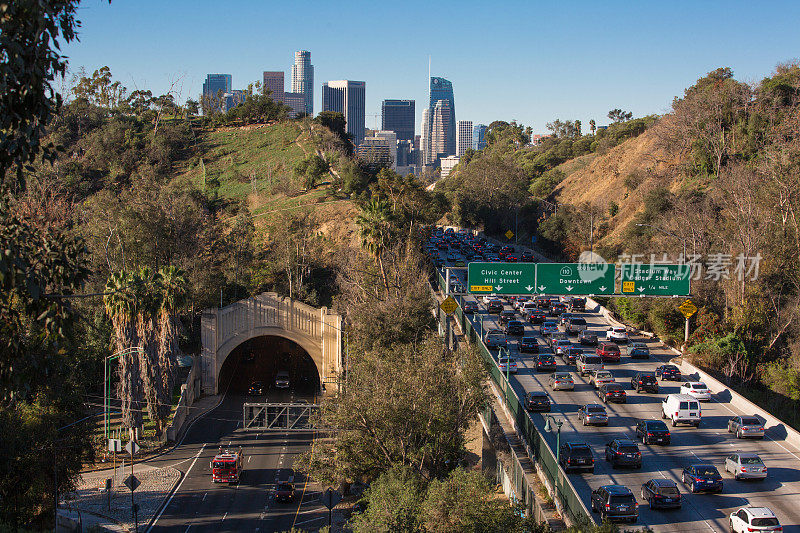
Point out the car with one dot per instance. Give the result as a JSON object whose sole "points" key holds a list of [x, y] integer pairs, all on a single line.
{"points": [[572, 354], [537, 401], [612, 392], [754, 519], [576, 456], [593, 413], [577, 303], [506, 315], [617, 334], [661, 493], [668, 373], [745, 465], [746, 426], [506, 363], [588, 362], [282, 379], [702, 477], [644, 381], [651, 431], [256, 388], [556, 309], [520, 301], [681, 409], [542, 302], [608, 351], [528, 344], [548, 327], [587, 338], [638, 350], [536, 316], [561, 381], [575, 325], [697, 390], [495, 306], [514, 327], [623, 452], [495, 338], [555, 337], [561, 346], [526, 257], [563, 318], [615, 502], [597, 378], [284, 492], [545, 361], [469, 307]]}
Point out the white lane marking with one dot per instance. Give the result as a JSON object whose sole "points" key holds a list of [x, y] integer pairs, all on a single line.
{"points": [[224, 516], [177, 489], [309, 520], [229, 443], [187, 528], [249, 457], [204, 496]]}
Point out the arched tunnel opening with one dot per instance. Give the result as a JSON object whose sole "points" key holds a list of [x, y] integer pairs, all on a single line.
{"points": [[265, 360]]}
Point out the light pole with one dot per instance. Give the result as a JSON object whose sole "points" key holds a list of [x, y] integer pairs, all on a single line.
{"points": [[549, 428]]}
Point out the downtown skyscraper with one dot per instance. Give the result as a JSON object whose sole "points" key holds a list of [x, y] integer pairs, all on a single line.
{"points": [[398, 116], [439, 131], [348, 98], [303, 79]]}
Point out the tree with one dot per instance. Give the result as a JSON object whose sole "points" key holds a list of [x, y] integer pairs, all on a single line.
{"points": [[618, 115], [192, 107], [592, 126], [335, 122], [376, 231], [393, 503], [29, 37]]}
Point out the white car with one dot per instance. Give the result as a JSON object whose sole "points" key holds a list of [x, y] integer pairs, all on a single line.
{"points": [[507, 364], [617, 334], [754, 519], [697, 390]]}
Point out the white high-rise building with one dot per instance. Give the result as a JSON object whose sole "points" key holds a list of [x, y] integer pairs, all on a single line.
{"points": [[441, 126], [448, 163], [425, 139], [303, 78], [463, 137]]}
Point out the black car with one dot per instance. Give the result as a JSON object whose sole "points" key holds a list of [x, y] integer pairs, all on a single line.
{"points": [[506, 315], [528, 344], [702, 477], [284, 492], [527, 256], [256, 388], [644, 381], [661, 493], [495, 306], [668, 373], [556, 308], [514, 327], [612, 392], [545, 361], [623, 452], [577, 456], [577, 304], [651, 431], [537, 401], [615, 502], [470, 307], [537, 316], [571, 354], [587, 338]]}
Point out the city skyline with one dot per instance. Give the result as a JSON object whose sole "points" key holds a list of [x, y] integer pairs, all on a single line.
{"points": [[639, 69]]}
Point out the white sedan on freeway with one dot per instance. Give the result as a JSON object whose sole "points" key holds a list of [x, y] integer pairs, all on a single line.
{"points": [[696, 389], [617, 334]]}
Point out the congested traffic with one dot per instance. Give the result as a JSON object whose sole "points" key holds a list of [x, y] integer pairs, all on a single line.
{"points": [[632, 423]]}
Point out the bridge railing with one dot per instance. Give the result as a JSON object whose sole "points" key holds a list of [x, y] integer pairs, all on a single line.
{"points": [[279, 416], [566, 494]]}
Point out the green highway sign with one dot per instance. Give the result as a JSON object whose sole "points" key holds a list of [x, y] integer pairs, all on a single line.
{"points": [[575, 278], [501, 278], [644, 279]]}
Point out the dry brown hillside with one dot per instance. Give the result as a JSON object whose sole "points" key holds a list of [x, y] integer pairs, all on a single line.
{"points": [[620, 176]]}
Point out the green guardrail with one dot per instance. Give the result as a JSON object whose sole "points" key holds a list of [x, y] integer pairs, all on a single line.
{"points": [[543, 455]]}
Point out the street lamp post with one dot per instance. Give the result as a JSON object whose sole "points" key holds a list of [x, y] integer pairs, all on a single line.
{"points": [[549, 428]]}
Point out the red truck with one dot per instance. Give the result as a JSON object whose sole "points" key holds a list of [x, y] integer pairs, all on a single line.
{"points": [[226, 466]]}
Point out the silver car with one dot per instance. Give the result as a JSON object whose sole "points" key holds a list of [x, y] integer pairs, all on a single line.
{"points": [[746, 426], [745, 465], [593, 413]]}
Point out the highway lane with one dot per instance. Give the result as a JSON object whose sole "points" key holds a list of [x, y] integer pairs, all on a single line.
{"points": [[709, 443], [198, 504]]}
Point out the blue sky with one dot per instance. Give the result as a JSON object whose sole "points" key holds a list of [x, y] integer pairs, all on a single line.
{"points": [[531, 61]]}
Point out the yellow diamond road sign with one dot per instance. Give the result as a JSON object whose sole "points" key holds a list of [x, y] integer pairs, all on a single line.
{"points": [[449, 305], [687, 308], [509, 234]]}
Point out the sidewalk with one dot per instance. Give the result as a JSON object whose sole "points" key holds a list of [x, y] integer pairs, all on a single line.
{"points": [[156, 485]]}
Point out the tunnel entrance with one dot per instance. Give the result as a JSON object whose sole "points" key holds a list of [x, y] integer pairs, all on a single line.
{"points": [[261, 358]]}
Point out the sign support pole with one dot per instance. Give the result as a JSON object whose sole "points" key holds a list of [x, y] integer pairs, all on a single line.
{"points": [[686, 336]]}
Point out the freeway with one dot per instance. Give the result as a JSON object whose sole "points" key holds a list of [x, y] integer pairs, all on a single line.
{"points": [[200, 505], [709, 443]]}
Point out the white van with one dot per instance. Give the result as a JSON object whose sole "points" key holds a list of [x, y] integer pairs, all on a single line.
{"points": [[681, 409]]}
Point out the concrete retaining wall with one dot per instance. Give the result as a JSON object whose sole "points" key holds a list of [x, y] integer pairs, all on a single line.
{"points": [[190, 391]]}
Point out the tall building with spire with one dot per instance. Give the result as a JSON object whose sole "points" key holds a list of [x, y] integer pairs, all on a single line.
{"points": [[303, 78], [442, 90], [425, 138], [440, 128]]}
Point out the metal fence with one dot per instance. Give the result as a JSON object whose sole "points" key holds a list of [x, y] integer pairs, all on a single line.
{"points": [[279, 416], [566, 494]]}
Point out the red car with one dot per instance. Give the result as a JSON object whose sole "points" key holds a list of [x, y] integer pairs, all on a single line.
{"points": [[609, 351]]}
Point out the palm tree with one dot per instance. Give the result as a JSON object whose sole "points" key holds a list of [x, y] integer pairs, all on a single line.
{"points": [[120, 305], [149, 301], [375, 223], [174, 291], [592, 125]]}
